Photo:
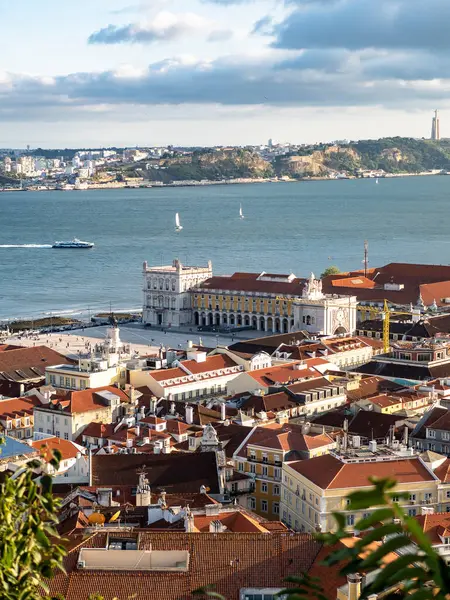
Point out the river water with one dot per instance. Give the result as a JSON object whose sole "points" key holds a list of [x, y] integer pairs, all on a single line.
{"points": [[298, 227]]}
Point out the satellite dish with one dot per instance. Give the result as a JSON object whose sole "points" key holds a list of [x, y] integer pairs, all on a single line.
{"points": [[96, 518], [114, 517]]}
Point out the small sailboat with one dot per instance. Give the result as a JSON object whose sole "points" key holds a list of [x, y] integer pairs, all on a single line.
{"points": [[376, 180], [178, 226], [241, 214]]}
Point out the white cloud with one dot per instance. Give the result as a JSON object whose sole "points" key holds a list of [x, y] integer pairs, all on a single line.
{"points": [[164, 26]]}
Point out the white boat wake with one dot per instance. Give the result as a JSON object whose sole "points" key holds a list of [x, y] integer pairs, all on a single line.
{"points": [[25, 245]]}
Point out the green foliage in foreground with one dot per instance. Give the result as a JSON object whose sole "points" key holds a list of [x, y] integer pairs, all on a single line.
{"points": [[418, 572], [29, 552]]}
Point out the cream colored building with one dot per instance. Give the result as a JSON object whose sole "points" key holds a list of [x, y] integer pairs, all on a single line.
{"points": [[103, 365], [313, 489], [197, 377], [67, 416]]}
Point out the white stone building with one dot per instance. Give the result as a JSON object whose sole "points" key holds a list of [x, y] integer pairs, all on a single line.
{"points": [[167, 299], [325, 314]]}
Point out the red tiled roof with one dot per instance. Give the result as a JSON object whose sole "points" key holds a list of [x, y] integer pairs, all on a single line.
{"points": [[152, 420], [29, 363], [227, 562], [212, 363], [86, 400], [13, 406], [47, 446], [354, 282], [287, 373], [328, 472], [98, 430], [253, 284], [434, 525], [177, 427], [443, 471]]}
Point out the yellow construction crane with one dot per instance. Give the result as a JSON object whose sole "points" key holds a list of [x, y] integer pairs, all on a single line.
{"points": [[386, 314]]}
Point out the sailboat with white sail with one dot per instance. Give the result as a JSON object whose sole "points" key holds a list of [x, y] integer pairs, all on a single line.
{"points": [[241, 214], [178, 226]]}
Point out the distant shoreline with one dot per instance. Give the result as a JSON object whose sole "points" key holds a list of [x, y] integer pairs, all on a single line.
{"points": [[128, 186]]}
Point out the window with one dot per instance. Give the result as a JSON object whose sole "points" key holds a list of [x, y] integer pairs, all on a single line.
{"points": [[57, 433], [296, 525], [66, 436], [448, 494], [395, 498], [276, 508], [264, 487], [252, 503], [40, 430], [277, 473], [445, 435], [240, 466], [412, 512], [67, 381], [276, 490], [264, 505], [431, 433], [252, 468], [350, 519], [264, 471], [412, 497]]}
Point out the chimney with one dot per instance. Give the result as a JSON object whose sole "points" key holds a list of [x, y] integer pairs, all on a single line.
{"points": [[189, 414], [137, 430], [129, 443], [189, 526], [162, 499], [354, 586], [306, 428], [223, 411]]}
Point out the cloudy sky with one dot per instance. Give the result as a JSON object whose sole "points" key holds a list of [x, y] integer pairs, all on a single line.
{"points": [[150, 72]]}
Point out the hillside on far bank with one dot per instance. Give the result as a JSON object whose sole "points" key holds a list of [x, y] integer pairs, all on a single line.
{"points": [[391, 155]]}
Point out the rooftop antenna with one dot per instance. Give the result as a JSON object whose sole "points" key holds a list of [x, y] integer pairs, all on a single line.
{"points": [[366, 257]]}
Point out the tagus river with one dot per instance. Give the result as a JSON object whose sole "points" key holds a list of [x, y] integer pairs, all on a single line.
{"points": [[287, 227]]}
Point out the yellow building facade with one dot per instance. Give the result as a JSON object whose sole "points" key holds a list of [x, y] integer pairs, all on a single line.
{"points": [[264, 466], [263, 311]]}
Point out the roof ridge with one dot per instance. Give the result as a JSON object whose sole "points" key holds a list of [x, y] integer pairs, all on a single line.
{"points": [[336, 474]]}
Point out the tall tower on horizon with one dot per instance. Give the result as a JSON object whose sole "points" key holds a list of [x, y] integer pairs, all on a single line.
{"points": [[435, 133]]}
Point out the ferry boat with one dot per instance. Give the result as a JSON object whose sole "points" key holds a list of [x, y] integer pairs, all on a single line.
{"points": [[73, 244]]}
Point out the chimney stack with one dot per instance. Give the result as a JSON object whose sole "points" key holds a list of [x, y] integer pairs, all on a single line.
{"points": [[354, 586], [223, 411], [189, 414]]}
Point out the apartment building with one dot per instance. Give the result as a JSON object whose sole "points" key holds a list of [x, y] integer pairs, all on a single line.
{"points": [[262, 456], [16, 416], [313, 489], [198, 376], [66, 415]]}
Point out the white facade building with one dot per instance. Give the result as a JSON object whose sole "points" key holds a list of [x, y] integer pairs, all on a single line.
{"points": [[167, 299], [325, 314]]}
